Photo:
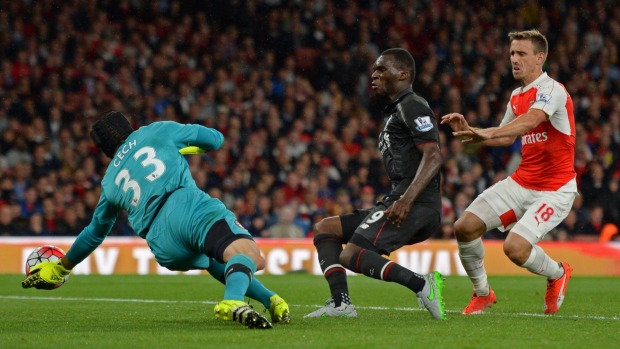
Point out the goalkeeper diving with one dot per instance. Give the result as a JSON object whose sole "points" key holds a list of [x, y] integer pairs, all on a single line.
{"points": [[184, 227]]}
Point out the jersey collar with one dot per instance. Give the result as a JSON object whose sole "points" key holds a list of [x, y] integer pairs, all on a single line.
{"points": [[401, 95], [538, 79]]}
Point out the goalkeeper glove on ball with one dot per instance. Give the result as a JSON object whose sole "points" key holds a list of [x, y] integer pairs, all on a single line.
{"points": [[46, 275]]}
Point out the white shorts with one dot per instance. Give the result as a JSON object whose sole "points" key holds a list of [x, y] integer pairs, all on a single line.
{"points": [[529, 213]]}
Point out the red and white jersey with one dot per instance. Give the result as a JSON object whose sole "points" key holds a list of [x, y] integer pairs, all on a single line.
{"points": [[548, 151]]}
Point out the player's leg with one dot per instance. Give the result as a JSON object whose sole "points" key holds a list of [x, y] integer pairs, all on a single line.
{"points": [[546, 212], [329, 235], [531, 257], [229, 243], [278, 308], [497, 207], [377, 236], [184, 228], [469, 229]]}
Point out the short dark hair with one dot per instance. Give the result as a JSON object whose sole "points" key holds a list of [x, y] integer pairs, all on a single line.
{"points": [[403, 59]]}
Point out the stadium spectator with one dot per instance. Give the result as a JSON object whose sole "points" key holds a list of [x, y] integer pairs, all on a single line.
{"points": [[285, 226], [51, 214], [8, 224], [446, 232], [31, 203], [70, 224], [567, 230], [411, 213], [367, 198], [592, 229], [539, 194], [133, 61], [36, 226], [611, 202], [582, 213], [593, 184]]}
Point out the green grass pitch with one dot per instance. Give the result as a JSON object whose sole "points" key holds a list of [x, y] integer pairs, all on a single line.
{"points": [[130, 311]]}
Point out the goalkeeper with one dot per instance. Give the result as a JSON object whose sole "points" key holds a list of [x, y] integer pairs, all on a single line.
{"points": [[184, 227]]}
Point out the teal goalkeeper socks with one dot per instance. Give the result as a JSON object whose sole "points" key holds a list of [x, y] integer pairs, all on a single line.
{"points": [[256, 290], [238, 276]]}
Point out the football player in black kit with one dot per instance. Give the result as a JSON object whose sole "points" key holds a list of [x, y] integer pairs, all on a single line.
{"points": [[411, 213]]}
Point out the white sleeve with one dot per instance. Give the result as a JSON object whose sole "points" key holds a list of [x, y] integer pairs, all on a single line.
{"points": [[508, 116], [549, 98]]}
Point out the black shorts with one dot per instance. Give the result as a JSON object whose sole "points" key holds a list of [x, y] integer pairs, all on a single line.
{"points": [[221, 236], [372, 230]]}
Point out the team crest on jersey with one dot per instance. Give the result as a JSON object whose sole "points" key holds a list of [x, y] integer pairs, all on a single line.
{"points": [[423, 123]]}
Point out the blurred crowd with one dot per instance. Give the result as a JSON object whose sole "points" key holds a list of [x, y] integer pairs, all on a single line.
{"points": [[287, 82]]}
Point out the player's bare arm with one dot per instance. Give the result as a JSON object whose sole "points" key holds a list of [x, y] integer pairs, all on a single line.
{"points": [[457, 123], [503, 135], [429, 166], [469, 134], [484, 136]]}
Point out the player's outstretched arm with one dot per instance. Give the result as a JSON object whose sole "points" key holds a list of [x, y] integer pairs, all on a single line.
{"points": [[456, 121], [46, 275]]}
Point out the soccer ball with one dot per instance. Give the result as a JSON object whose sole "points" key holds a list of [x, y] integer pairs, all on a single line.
{"points": [[45, 253]]}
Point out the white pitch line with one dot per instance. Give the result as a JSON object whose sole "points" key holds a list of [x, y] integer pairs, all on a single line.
{"points": [[132, 300], [112, 300]]}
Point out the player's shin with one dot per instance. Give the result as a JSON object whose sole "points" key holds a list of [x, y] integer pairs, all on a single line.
{"points": [[239, 273], [329, 247], [256, 290], [541, 264], [472, 258], [375, 266]]}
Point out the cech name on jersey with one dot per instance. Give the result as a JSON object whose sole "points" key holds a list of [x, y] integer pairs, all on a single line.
{"points": [[126, 148]]}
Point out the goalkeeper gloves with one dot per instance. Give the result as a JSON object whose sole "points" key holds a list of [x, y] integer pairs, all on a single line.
{"points": [[191, 150], [46, 275]]}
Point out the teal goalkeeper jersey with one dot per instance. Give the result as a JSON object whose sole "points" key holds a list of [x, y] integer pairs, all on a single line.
{"points": [[147, 167]]}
